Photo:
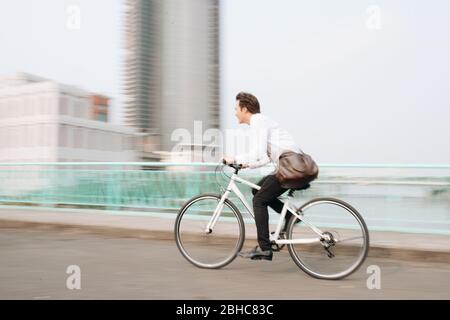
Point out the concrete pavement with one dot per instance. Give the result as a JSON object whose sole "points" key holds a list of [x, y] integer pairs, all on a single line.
{"points": [[34, 262], [400, 246]]}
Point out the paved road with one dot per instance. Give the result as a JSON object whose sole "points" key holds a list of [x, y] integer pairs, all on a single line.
{"points": [[33, 266]]}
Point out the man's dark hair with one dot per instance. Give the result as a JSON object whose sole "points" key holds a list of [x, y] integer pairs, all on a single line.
{"points": [[249, 101]]}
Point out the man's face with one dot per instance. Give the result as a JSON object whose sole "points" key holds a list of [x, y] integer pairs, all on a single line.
{"points": [[240, 112]]}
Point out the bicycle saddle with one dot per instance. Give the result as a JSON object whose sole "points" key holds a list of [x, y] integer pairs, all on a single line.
{"points": [[306, 186]]}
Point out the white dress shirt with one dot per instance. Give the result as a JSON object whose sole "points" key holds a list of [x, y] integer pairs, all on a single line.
{"points": [[267, 142]]}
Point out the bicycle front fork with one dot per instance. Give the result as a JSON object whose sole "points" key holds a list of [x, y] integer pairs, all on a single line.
{"points": [[212, 222]]}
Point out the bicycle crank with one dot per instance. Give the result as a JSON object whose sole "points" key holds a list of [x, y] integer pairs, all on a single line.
{"points": [[275, 246]]}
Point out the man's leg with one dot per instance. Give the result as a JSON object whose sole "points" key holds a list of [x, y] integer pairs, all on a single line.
{"points": [[276, 203], [267, 195]]}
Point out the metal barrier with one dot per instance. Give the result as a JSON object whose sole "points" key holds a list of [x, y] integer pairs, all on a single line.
{"points": [[390, 196]]}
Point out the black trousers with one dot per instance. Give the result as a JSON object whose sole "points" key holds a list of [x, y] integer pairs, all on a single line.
{"points": [[264, 197]]}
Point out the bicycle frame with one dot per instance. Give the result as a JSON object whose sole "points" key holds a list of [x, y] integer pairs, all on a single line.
{"points": [[232, 187]]}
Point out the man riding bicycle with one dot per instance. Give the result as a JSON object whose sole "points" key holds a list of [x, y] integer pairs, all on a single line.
{"points": [[268, 141]]}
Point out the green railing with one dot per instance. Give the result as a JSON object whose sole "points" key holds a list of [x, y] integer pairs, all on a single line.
{"points": [[404, 196]]}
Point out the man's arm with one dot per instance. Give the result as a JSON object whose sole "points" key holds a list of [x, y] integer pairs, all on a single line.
{"points": [[257, 156]]}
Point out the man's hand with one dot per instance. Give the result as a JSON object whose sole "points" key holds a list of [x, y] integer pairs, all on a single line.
{"points": [[228, 160]]}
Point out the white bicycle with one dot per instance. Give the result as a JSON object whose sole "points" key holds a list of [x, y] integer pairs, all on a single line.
{"points": [[326, 237]]}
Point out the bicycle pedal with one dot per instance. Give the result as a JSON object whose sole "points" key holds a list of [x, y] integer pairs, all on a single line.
{"points": [[275, 247]]}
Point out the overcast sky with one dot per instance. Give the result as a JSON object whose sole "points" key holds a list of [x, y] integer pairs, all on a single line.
{"points": [[353, 83]]}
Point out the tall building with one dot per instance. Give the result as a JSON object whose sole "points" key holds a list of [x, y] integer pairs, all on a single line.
{"points": [[171, 75], [45, 121]]}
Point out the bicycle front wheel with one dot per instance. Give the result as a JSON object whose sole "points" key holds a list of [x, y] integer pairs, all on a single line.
{"points": [[342, 246], [209, 248]]}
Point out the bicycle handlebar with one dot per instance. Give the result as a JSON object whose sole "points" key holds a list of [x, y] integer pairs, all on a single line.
{"points": [[235, 166]]}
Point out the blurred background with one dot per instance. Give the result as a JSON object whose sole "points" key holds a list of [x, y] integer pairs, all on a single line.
{"points": [[125, 107], [363, 87], [360, 82]]}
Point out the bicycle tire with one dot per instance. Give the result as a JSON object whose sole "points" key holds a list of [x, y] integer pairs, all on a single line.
{"points": [[364, 229], [179, 240]]}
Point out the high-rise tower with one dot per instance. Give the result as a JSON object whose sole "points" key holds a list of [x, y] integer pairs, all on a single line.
{"points": [[171, 76]]}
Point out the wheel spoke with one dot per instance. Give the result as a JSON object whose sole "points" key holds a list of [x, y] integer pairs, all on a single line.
{"points": [[349, 239]]}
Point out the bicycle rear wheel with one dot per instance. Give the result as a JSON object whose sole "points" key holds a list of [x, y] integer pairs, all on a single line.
{"points": [[343, 246], [214, 248]]}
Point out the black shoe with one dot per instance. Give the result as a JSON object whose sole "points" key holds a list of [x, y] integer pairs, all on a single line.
{"points": [[257, 254]]}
